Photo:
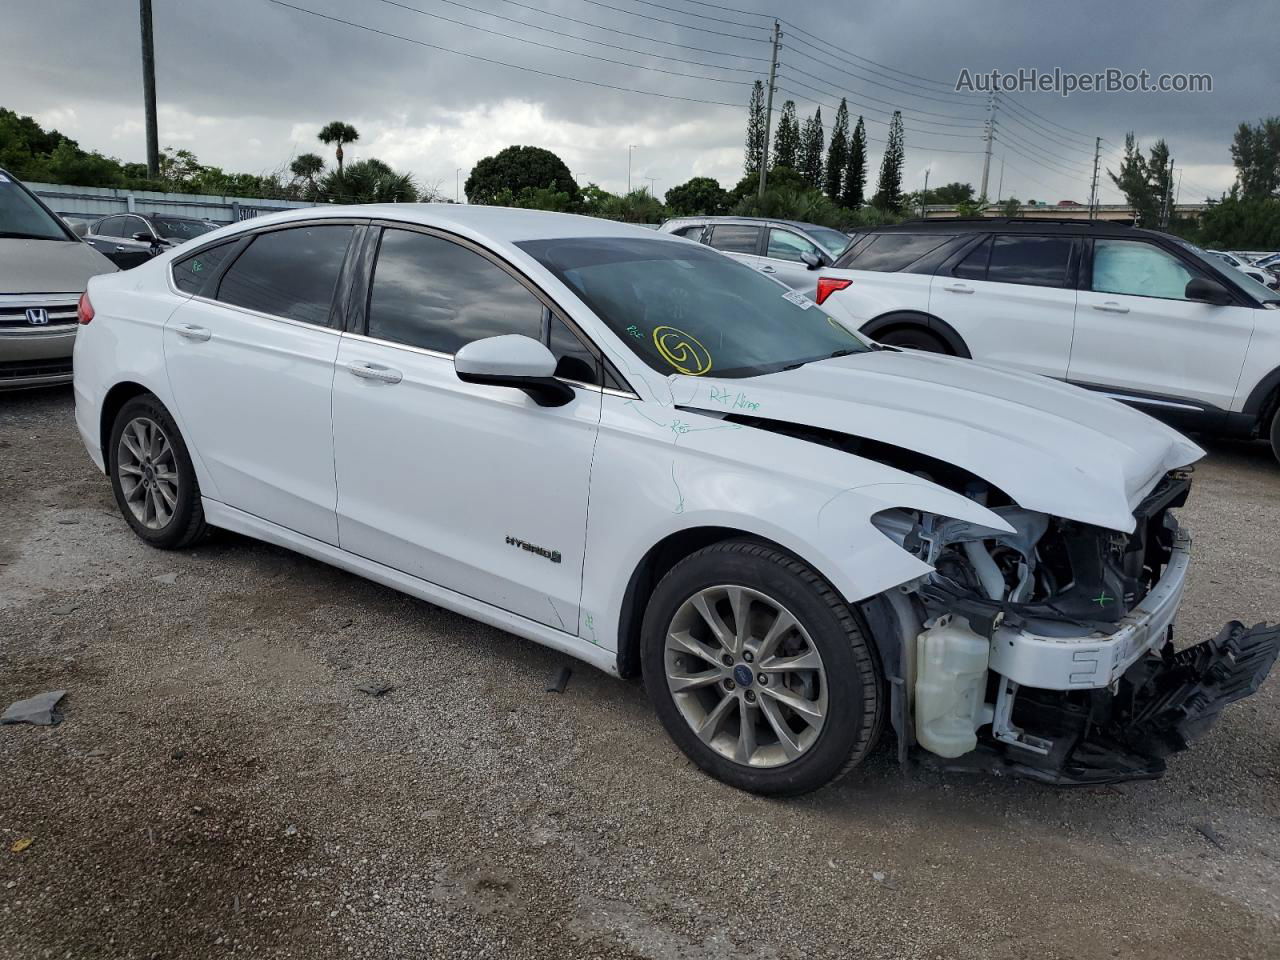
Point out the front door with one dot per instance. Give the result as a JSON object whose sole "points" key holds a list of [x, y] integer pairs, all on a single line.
{"points": [[782, 260], [473, 488], [1137, 333], [250, 364]]}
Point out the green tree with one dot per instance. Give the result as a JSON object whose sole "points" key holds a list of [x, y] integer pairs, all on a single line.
{"points": [[855, 170], [339, 133], [954, 192], [1255, 150], [701, 196], [369, 181], [755, 130], [1134, 181], [838, 154], [811, 143], [306, 167], [889, 188], [1010, 207], [515, 168], [786, 145]]}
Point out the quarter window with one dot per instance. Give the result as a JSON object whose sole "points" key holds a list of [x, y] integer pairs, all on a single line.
{"points": [[785, 245], [974, 265], [191, 273], [689, 233], [573, 360], [432, 293], [1138, 269], [290, 273], [735, 238], [1034, 261]]}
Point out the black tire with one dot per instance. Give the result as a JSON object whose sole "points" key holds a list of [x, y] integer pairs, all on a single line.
{"points": [[1275, 433], [854, 684], [185, 524], [916, 338]]}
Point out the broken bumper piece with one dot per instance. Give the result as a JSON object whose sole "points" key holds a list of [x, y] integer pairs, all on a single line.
{"points": [[1163, 702]]}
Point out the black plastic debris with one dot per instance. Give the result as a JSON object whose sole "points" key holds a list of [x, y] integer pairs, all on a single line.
{"points": [[375, 688], [559, 680], [38, 710]]}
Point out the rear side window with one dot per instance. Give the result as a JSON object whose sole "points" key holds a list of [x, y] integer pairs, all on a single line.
{"points": [[190, 273], [735, 238], [1035, 261], [432, 293], [889, 252], [289, 273], [110, 227]]}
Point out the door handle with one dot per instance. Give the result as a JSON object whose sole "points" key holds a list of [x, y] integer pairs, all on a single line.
{"points": [[768, 270], [1110, 307], [120, 249], [190, 331], [958, 288], [374, 371]]}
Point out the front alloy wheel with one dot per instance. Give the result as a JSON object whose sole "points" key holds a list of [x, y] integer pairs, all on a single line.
{"points": [[745, 676], [761, 673]]}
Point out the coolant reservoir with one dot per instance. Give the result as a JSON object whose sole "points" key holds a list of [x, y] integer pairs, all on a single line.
{"points": [[951, 683]]}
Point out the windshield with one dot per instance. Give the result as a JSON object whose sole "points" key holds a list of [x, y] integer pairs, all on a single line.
{"points": [[176, 228], [686, 309], [22, 217], [832, 241], [1259, 291]]}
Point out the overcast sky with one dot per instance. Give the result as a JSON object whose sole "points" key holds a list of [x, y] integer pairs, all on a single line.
{"points": [[246, 84]]}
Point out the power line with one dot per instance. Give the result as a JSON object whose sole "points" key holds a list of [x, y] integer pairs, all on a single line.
{"points": [[602, 43], [1070, 175], [1044, 118], [825, 126], [500, 63], [1016, 114], [1043, 156], [967, 136], [890, 103], [704, 16], [1054, 143], [674, 23], [628, 33], [549, 46]]}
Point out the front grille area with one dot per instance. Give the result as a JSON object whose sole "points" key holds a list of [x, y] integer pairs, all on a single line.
{"points": [[60, 315], [21, 369]]}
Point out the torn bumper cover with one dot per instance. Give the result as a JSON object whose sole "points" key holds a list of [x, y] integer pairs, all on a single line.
{"points": [[1160, 705]]}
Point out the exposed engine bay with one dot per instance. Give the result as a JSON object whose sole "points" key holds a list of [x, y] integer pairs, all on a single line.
{"points": [[1047, 652]]}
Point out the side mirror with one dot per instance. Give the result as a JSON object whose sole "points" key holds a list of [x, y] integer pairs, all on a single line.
{"points": [[79, 228], [513, 360], [812, 260], [143, 236], [1207, 291]]}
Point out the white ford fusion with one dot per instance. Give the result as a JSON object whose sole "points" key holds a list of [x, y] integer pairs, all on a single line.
{"points": [[637, 451]]}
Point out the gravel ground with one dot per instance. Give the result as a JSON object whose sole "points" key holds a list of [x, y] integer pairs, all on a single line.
{"points": [[219, 786]]}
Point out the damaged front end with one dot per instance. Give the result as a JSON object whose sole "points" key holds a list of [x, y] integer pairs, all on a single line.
{"points": [[1047, 652]]}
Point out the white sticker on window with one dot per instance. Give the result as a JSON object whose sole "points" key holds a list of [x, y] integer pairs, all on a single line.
{"points": [[799, 299]]}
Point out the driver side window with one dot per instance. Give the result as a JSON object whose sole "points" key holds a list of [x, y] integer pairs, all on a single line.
{"points": [[785, 245], [1138, 269]]}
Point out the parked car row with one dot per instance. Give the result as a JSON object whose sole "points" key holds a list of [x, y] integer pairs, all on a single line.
{"points": [[1134, 314]]}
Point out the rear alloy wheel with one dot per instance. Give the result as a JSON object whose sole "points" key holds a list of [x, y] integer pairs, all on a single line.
{"points": [[1275, 433], [915, 338], [759, 671], [152, 476]]}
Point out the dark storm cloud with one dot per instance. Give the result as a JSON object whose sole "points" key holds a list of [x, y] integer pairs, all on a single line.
{"points": [[245, 82]]}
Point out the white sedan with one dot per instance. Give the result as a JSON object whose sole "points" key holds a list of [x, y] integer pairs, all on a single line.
{"points": [[634, 450]]}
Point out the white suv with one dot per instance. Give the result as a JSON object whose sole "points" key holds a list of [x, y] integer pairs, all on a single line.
{"points": [[1137, 315]]}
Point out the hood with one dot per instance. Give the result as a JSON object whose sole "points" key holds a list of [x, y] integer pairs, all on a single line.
{"points": [[1053, 448], [49, 266]]}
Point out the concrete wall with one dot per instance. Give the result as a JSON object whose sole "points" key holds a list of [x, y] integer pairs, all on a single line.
{"points": [[92, 202]]}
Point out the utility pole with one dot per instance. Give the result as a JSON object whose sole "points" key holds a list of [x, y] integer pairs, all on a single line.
{"points": [[1167, 206], [149, 89], [1093, 189], [991, 130], [652, 181], [1000, 182], [457, 186], [924, 195], [630, 147], [768, 110]]}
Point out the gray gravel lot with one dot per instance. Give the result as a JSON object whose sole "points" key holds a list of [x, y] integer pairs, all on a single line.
{"points": [[219, 786]]}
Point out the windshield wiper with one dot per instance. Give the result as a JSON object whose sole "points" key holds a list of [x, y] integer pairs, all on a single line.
{"points": [[843, 352]]}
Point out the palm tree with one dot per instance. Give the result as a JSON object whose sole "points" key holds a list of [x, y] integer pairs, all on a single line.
{"points": [[339, 133], [307, 166], [369, 181]]}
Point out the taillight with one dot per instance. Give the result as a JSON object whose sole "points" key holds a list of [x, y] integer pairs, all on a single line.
{"points": [[829, 285], [84, 312]]}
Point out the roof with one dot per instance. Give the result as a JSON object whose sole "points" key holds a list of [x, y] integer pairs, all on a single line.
{"points": [[506, 224], [1016, 225], [798, 224]]}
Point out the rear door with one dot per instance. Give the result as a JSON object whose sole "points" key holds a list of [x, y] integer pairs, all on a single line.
{"points": [[742, 241], [250, 360], [1138, 334], [1012, 299]]}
